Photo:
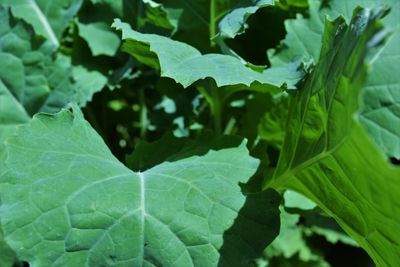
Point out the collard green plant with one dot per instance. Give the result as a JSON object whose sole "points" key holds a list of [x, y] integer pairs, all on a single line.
{"points": [[146, 133]]}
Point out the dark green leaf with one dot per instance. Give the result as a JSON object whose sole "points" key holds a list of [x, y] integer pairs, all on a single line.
{"points": [[326, 155]]}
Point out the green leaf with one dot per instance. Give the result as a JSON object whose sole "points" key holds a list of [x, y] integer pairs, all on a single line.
{"points": [[158, 15], [100, 38], [186, 65], [11, 113], [35, 78], [272, 125], [87, 83], [291, 245], [94, 24], [234, 23], [48, 18], [381, 94], [294, 200], [380, 113], [327, 157], [290, 240], [188, 17], [79, 206], [30, 74]]}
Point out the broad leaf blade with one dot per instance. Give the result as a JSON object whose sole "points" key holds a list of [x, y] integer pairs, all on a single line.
{"points": [[79, 205], [327, 157], [186, 65]]}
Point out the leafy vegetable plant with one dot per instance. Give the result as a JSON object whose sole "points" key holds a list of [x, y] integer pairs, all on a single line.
{"points": [[148, 133]]}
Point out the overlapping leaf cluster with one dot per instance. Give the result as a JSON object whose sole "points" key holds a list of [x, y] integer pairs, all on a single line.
{"points": [[199, 132]]}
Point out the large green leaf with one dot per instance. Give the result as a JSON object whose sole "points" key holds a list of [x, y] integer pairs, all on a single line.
{"points": [[12, 114], [49, 18], [326, 155], [381, 95], [79, 206], [186, 65]]}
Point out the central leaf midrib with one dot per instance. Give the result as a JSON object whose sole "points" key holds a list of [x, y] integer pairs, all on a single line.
{"points": [[142, 209], [144, 214], [43, 20]]}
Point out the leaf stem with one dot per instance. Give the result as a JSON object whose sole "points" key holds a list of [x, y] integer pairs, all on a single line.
{"points": [[216, 102], [230, 125], [143, 114], [213, 21], [217, 112]]}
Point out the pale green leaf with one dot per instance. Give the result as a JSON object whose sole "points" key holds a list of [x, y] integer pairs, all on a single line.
{"points": [[291, 245], [290, 240], [186, 65], [49, 18], [327, 157], [80, 206], [295, 200], [100, 38], [87, 83]]}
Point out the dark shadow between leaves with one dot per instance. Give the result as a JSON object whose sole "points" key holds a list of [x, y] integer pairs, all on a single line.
{"points": [[170, 148], [253, 230]]}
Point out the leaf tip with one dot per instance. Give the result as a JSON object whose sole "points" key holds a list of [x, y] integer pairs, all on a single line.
{"points": [[117, 24]]}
